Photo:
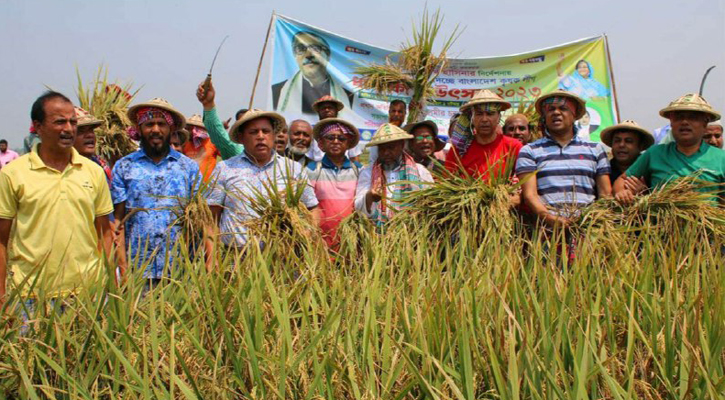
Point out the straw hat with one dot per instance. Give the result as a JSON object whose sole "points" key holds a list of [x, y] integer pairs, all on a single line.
{"points": [[581, 110], [484, 96], [278, 122], [157, 102], [628, 125], [327, 99], [183, 135], [86, 119], [691, 102], [196, 120], [439, 145], [317, 130], [388, 133]]}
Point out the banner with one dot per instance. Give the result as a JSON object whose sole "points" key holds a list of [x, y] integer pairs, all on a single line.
{"points": [[308, 63]]}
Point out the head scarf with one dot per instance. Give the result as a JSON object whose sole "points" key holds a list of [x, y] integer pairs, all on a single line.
{"points": [[198, 135], [329, 128], [570, 103], [488, 107], [148, 113]]}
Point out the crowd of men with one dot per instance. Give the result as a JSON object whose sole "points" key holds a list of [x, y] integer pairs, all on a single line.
{"points": [[62, 207]]}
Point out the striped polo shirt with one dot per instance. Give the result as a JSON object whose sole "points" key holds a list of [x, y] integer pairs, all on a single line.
{"points": [[565, 175]]}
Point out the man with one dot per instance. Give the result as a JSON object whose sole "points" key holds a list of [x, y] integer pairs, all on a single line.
{"points": [[60, 203], [517, 127], [334, 179], [312, 81], [713, 136], [147, 186], [243, 176], [377, 194], [218, 135], [627, 140], [329, 107], [280, 140], [396, 112], [85, 142], [490, 155], [199, 146], [300, 142], [6, 155], [425, 143], [687, 155], [179, 139], [561, 172]]}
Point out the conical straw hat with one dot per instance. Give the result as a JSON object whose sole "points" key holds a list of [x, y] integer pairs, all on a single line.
{"points": [[691, 102], [484, 96], [327, 99], [86, 119], [388, 133], [581, 110], [196, 120], [158, 102], [317, 130], [278, 122], [627, 125]]}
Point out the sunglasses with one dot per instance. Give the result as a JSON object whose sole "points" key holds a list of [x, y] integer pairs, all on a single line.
{"points": [[422, 138], [339, 138]]}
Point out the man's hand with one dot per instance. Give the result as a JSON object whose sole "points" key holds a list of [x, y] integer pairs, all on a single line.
{"points": [[625, 197], [375, 195], [206, 95], [226, 123], [556, 221], [635, 185], [515, 199]]}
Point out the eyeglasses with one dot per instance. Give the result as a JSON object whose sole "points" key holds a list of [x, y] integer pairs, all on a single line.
{"points": [[300, 48], [422, 138], [341, 139]]}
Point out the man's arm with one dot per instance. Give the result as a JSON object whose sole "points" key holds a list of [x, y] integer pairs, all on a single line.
{"points": [[214, 125], [210, 235], [604, 186], [532, 199], [105, 235], [119, 214], [5, 225]]}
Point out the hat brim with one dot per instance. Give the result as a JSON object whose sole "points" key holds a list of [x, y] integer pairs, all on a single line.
{"points": [[389, 139], [608, 134], [251, 116], [183, 135], [317, 130], [95, 124], [338, 104], [439, 145], [582, 109], [178, 117], [505, 105], [714, 116]]}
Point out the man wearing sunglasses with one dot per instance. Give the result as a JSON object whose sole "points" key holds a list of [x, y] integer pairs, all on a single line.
{"points": [[312, 81]]}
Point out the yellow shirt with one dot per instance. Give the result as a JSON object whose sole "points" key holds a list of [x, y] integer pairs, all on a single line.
{"points": [[54, 242]]}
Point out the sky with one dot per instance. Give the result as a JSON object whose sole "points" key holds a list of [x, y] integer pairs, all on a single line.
{"points": [[659, 49]]}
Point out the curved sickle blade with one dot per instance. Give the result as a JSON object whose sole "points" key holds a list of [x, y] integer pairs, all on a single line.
{"points": [[702, 84], [217, 53]]}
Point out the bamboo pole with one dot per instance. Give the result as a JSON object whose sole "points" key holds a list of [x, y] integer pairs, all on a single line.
{"points": [[261, 58], [611, 74]]}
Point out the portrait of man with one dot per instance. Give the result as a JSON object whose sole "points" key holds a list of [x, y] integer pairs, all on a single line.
{"points": [[312, 81]]}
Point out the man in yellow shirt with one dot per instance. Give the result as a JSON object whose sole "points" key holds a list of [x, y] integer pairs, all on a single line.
{"points": [[60, 203]]}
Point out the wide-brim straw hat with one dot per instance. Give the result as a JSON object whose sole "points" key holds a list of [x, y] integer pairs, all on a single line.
{"points": [[581, 110], [157, 102], [485, 96], [317, 130], [86, 119], [278, 122], [327, 99], [628, 125], [439, 145], [388, 133], [691, 102], [196, 120]]}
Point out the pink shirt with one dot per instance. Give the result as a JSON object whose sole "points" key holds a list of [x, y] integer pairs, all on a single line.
{"points": [[7, 156]]}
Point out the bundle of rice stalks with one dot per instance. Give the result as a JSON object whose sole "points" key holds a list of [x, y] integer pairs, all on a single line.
{"points": [[356, 233], [109, 103], [193, 213]]}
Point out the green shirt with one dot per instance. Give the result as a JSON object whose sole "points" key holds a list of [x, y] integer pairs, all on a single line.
{"points": [[664, 162], [219, 136]]}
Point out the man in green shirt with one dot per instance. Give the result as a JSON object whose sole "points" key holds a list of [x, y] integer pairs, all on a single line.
{"points": [[214, 125], [688, 155]]}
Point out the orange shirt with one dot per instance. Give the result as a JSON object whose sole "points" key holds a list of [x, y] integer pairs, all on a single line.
{"points": [[204, 155]]}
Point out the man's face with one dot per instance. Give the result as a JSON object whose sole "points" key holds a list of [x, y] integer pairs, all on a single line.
{"points": [[327, 110], [389, 153], [423, 142], [485, 121], [3, 147], [559, 117], [688, 127], [176, 141], [300, 137], [396, 114], [518, 128], [713, 136], [626, 146], [156, 137], [85, 142], [311, 55], [58, 130], [280, 141], [258, 139], [335, 143]]}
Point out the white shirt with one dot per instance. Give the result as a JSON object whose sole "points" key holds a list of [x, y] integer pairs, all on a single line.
{"points": [[391, 176]]}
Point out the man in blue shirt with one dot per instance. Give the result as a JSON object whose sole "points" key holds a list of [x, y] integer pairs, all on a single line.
{"points": [[147, 185]]}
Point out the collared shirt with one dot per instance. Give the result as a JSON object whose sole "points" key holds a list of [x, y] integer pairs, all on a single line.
{"points": [[566, 175], [481, 160], [153, 191], [239, 178], [7, 156], [335, 190], [54, 214], [664, 162], [391, 176]]}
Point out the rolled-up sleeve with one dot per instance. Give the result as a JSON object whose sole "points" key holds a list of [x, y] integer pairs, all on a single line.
{"points": [[219, 136]]}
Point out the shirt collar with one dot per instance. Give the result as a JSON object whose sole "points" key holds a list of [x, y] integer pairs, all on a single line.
{"points": [[249, 159], [327, 163], [173, 154], [37, 163]]}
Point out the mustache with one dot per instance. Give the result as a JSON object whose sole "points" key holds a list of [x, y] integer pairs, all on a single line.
{"points": [[310, 60]]}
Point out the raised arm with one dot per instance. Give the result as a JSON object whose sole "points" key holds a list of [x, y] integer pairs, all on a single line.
{"points": [[214, 125]]}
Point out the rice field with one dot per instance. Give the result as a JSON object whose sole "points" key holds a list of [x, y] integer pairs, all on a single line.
{"points": [[469, 304]]}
